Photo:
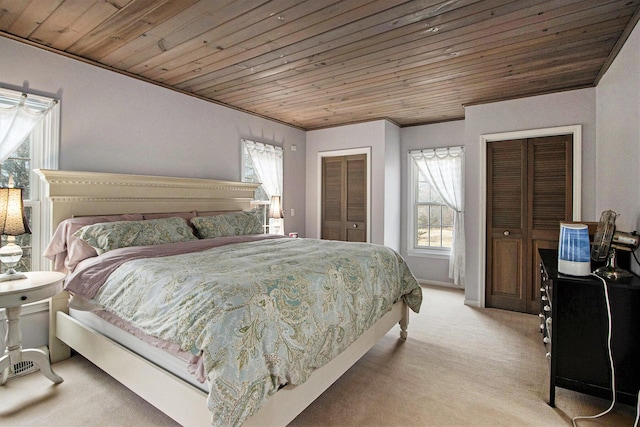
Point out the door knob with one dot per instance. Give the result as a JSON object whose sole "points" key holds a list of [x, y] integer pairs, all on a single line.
{"points": [[506, 232]]}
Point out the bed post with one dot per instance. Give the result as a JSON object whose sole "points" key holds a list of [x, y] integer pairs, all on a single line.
{"points": [[58, 350], [404, 321]]}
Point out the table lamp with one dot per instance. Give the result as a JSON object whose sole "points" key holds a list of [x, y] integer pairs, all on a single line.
{"points": [[12, 223], [275, 208], [275, 212]]}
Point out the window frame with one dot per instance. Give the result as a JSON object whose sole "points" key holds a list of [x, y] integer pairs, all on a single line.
{"points": [[412, 223], [268, 224], [45, 147]]}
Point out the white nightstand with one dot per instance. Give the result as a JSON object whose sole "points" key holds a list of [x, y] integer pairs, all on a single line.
{"points": [[13, 294]]}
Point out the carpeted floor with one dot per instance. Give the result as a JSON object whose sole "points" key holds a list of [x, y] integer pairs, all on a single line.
{"points": [[461, 366]]}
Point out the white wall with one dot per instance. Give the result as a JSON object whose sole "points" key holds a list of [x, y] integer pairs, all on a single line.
{"points": [[546, 111], [361, 135], [617, 173], [392, 187], [426, 268], [114, 123]]}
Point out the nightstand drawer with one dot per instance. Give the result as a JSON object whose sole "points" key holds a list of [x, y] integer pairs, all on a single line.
{"points": [[37, 286], [21, 298]]}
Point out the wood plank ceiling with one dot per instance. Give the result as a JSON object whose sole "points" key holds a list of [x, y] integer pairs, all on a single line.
{"points": [[320, 63]]}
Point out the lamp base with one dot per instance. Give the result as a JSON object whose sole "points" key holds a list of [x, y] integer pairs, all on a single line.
{"points": [[11, 276]]}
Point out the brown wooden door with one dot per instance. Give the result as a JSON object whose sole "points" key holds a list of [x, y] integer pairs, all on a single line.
{"points": [[344, 198], [529, 192]]}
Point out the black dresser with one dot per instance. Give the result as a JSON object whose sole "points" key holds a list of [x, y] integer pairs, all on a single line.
{"points": [[575, 332]]}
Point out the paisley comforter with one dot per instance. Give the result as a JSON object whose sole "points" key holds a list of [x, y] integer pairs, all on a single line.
{"points": [[262, 313]]}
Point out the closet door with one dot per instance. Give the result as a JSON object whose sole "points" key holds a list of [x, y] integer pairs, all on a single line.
{"points": [[506, 224], [550, 202], [529, 192], [344, 198]]}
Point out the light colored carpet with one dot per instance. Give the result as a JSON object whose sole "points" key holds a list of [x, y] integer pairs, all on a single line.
{"points": [[461, 366]]}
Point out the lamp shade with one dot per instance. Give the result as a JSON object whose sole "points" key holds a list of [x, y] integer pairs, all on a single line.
{"points": [[275, 210], [12, 219]]}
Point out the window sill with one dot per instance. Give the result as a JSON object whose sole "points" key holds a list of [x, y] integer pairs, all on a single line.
{"points": [[429, 253]]}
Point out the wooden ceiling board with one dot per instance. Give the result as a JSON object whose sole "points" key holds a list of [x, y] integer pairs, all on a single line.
{"points": [[124, 26], [444, 48], [338, 47], [434, 60], [438, 72], [175, 31], [321, 63], [236, 53]]}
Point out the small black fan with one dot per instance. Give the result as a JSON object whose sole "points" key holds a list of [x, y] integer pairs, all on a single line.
{"points": [[605, 243]]}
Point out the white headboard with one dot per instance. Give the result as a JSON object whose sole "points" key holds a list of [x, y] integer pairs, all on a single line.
{"points": [[71, 193]]}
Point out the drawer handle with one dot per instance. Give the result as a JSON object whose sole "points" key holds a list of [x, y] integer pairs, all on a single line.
{"points": [[546, 340], [23, 298], [506, 232], [544, 298], [547, 308]]}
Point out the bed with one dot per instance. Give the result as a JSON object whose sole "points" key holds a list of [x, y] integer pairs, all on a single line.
{"points": [[162, 199]]}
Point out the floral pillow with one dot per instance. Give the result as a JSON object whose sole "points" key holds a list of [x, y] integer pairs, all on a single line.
{"points": [[231, 224], [66, 250], [107, 236]]}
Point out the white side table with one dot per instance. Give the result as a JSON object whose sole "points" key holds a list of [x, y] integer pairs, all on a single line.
{"points": [[13, 294]]}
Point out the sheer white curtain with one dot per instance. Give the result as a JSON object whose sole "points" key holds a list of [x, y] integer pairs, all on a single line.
{"points": [[267, 161], [444, 169], [17, 120]]}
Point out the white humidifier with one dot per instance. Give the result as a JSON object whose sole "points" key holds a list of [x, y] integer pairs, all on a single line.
{"points": [[573, 250]]}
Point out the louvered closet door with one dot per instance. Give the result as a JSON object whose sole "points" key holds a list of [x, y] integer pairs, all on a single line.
{"points": [[506, 224], [529, 192], [550, 201], [344, 198]]}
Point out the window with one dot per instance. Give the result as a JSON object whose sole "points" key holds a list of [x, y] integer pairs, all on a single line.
{"points": [[18, 166], [260, 201], [434, 219], [263, 163], [436, 214], [38, 150], [432, 225]]}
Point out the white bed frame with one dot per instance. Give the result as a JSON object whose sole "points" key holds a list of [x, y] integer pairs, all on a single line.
{"points": [[68, 194]]}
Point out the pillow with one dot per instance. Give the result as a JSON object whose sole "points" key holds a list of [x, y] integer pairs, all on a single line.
{"points": [[66, 250], [185, 215], [229, 224], [213, 213], [107, 236]]}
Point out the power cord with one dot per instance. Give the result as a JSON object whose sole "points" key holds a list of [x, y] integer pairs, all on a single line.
{"points": [[613, 375]]}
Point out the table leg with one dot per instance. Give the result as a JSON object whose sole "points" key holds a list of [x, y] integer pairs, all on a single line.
{"points": [[41, 359], [15, 354], [13, 341], [5, 363]]}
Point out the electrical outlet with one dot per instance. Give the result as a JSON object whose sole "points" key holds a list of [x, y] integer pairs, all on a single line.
{"points": [[293, 212]]}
